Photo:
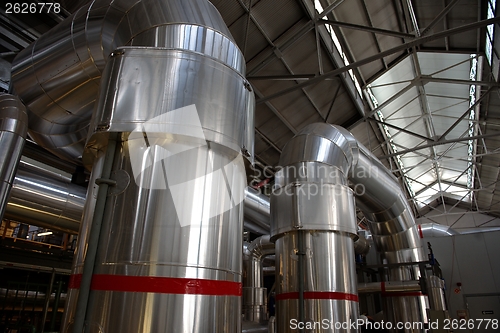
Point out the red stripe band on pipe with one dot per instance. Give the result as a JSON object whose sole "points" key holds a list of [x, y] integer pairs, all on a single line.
{"points": [[74, 281], [318, 295], [403, 294], [382, 287], [420, 231], [162, 285]]}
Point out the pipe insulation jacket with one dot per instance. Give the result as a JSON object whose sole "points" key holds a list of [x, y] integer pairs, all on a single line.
{"points": [[13, 130], [312, 195]]}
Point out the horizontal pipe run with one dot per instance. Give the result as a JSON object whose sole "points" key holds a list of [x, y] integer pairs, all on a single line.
{"points": [[13, 130], [389, 287]]}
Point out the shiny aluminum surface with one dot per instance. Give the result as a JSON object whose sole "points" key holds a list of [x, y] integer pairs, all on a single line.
{"points": [[58, 76], [328, 269], [13, 130], [394, 232], [313, 224], [181, 216], [361, 245], [390, 286], [254, 293], [145, 238], [257, 210], [42, 200], [380, 198], [436, 230], [312, 196], [435, 289], [139, 78]]}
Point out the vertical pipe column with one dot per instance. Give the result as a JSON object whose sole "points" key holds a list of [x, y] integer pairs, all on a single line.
{"points": [[169, 256], [313, 225], [13, 129]]}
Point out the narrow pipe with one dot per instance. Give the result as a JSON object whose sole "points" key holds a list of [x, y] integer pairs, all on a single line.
{"points": [[13, 130], [47, 300], [93, 238], [257, 210], [40, 198], [254, 293], [55, 307], [301, 276]]}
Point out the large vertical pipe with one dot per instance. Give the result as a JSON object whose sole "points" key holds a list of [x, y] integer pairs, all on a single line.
{"points": [[170, 259], [315, 201], [13, 129], [313, 221]]}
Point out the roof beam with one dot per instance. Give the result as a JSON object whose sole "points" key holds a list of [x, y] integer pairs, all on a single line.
{"points": [[401, 129], [402, 47], [476, 103], [440, 16], [367, 29], [441, 142], [426, 79]]}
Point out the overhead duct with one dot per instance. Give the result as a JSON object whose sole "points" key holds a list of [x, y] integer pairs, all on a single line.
{"points": [[173, 119], [13, 128], [435, 230], [312, 200]]}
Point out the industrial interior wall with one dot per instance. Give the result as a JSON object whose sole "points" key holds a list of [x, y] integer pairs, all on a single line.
{"points": [[471, 271]]}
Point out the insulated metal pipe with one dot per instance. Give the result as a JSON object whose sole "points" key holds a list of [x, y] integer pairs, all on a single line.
{"points": [[435, 290], [183, 112], [338, 157], [394, 232], [58, 76], [13, 130], [435, 230], [40, 198], [257, 210], [312, 201], [396, 288], [254, 293]]}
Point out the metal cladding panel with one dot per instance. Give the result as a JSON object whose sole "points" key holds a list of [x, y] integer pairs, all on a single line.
{"points": [[13, 129], [139, 79], [152, 312], [43, 201], [163, 230], [330, 288], [313, 206]]}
